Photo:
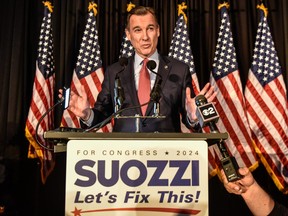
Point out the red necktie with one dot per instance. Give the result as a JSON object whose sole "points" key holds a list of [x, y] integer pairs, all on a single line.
{"points": [[144, 86]]}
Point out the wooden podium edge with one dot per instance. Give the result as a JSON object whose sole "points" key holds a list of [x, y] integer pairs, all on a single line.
{"points": [[60, 139]]}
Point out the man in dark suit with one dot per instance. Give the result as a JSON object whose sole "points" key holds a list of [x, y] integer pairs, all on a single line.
{"points": [[175, 103]]}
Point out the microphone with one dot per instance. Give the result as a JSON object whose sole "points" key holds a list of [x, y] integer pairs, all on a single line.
{"points": [[119, 96], [208, 116], [155, 94], [206, 113]]}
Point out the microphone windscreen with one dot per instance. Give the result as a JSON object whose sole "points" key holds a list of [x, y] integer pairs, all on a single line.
{"points": [[200, 100], [151, 65], [123, 61]]}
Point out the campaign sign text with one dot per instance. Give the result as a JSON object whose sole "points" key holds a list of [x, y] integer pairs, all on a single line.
{"points": [[136, 177]]}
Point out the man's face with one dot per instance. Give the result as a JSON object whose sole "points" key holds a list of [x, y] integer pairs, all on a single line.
{"points": [[143, 33]]}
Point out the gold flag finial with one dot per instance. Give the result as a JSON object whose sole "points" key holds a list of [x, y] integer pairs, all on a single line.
{"points": [[182, 7], [130, 6], [48, 5], [263, 8], [224, 4], [93, 6]]}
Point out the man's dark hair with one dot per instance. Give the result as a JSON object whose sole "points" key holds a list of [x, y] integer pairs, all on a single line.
{"points": [[140, 11]]}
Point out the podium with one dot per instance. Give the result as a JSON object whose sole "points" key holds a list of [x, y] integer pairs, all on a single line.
{"points": [[62, 138], [135, 174]]}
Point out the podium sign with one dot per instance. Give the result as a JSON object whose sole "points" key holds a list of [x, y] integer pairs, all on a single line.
{"points": [[137, 177]]}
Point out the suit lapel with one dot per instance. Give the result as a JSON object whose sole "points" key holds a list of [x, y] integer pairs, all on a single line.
{"points": [[129, 82], [163, 71]]}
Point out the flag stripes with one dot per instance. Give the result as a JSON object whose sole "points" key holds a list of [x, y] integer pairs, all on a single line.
{"points": [[229, 100], [88, 71], [267, 107], [42, 99]]}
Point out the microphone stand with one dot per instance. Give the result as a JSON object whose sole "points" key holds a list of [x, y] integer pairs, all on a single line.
{"points": [[156, 91], [119, 96], [40, 120], [208, 115], [118, 116]]}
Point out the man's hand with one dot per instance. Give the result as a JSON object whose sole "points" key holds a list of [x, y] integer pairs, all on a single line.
{"points": [[239, 186], [79, 104], [207, 91]]}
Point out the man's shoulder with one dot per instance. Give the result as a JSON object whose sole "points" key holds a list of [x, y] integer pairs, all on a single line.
{"points": [[173, 61]]}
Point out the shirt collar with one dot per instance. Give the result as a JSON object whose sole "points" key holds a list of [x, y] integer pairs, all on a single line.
{"points": [[138, 59]]}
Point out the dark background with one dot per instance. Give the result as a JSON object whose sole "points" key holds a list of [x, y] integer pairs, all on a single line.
{"points": [[21, 190]]}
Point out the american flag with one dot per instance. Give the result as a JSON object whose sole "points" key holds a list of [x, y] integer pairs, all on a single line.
{"points": [[42, 98], [127, 49], [180, 49], [266, 100], [230, 100], [88, 71]]}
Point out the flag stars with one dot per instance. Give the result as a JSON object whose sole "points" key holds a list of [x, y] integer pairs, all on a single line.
{"points": [[86, 32], [83, 66]]}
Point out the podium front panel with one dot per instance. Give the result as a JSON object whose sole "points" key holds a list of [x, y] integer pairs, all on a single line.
{"points": [[136, 177]]}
